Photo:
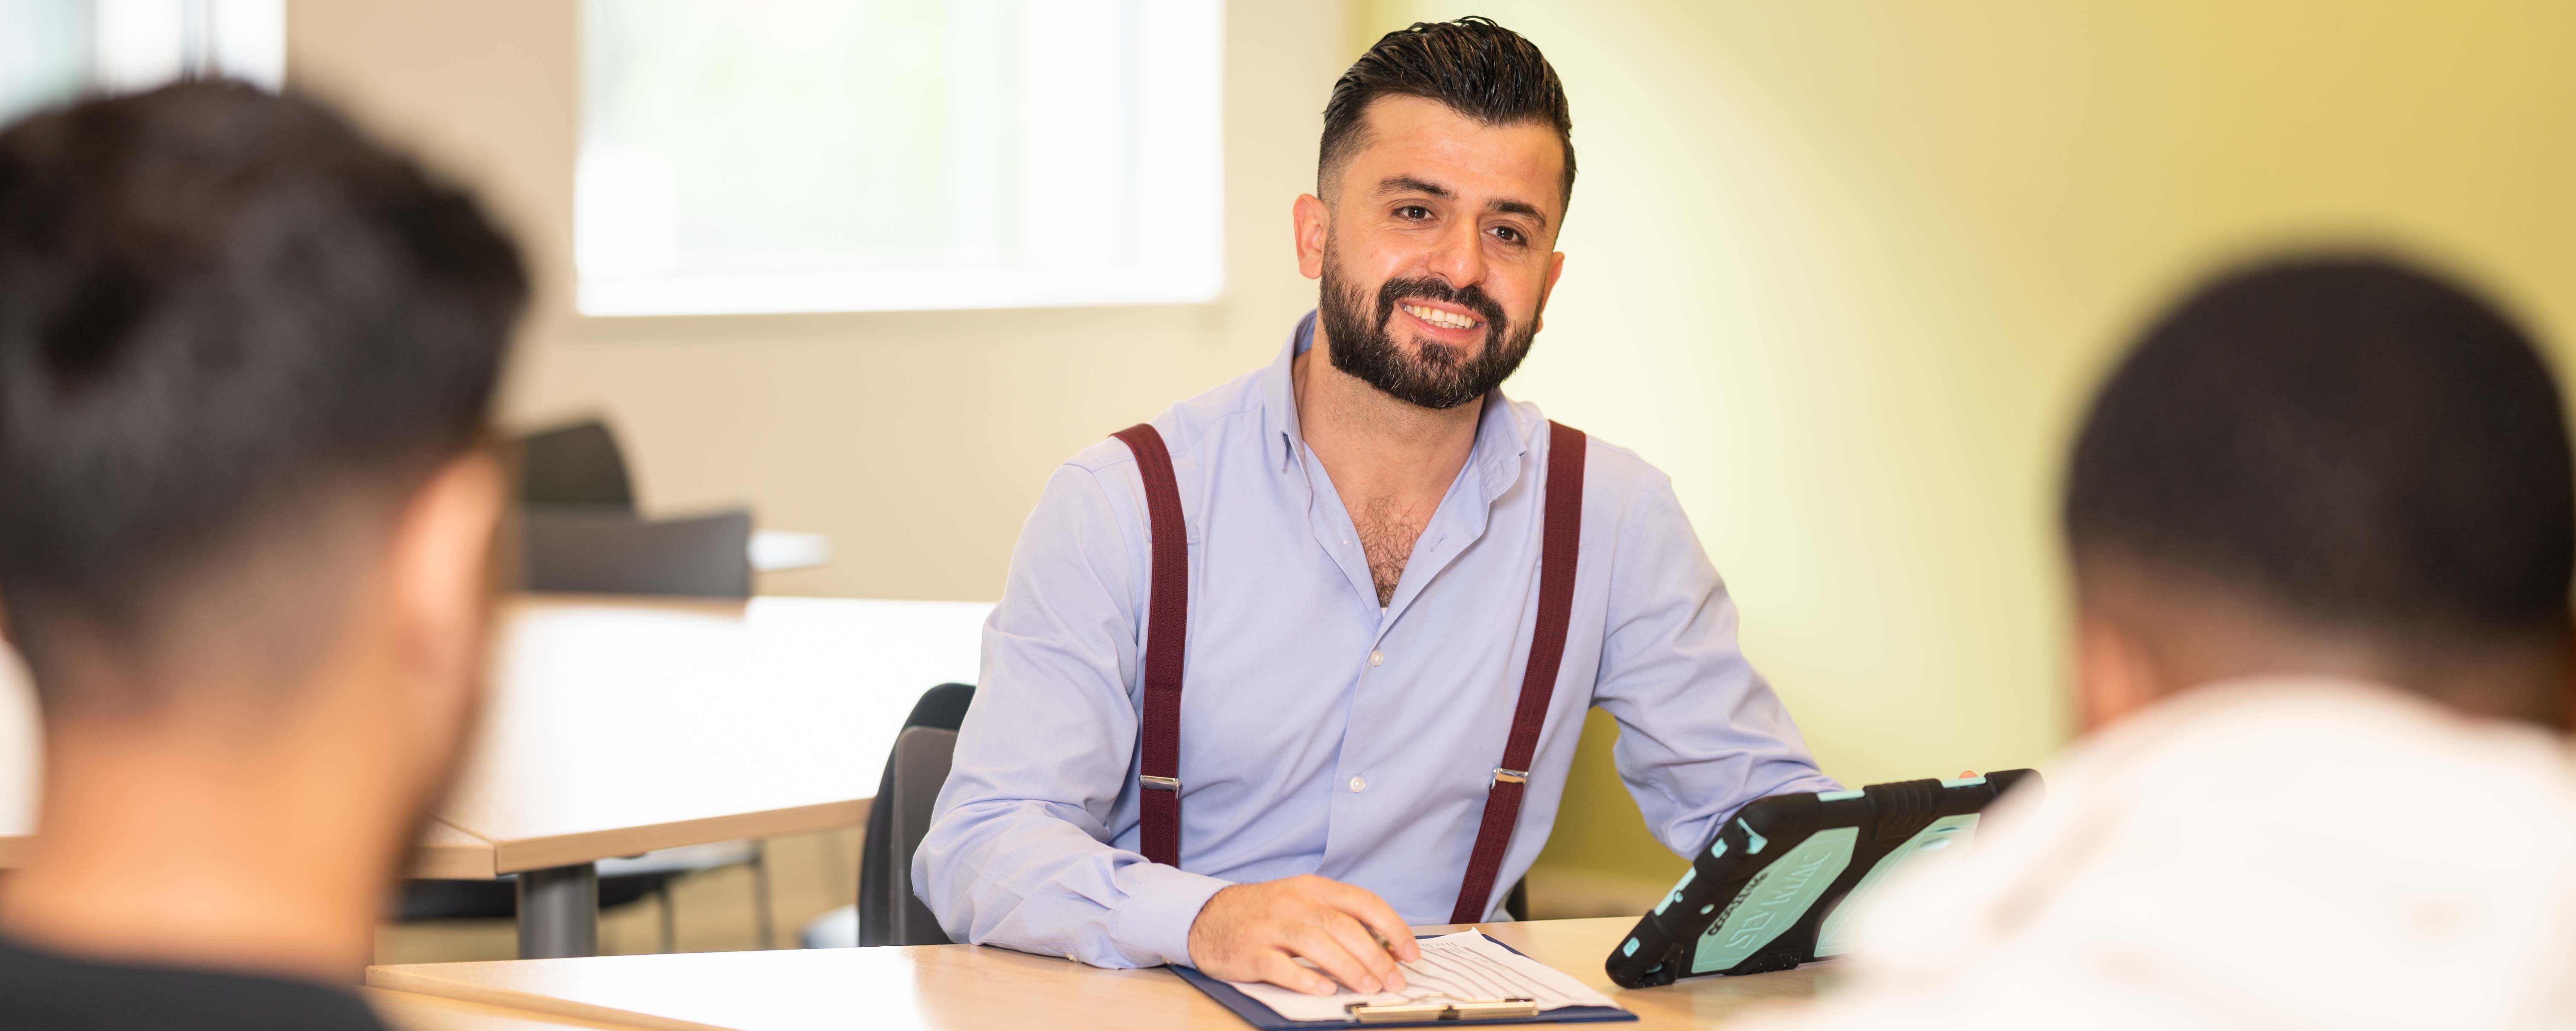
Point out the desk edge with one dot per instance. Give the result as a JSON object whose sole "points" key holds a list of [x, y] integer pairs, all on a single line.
{"points": [[512, 856], [472, 859], [399, 980]]}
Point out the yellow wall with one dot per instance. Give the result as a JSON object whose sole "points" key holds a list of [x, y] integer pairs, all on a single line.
{"points": [[1843, 268], [1846, 271]]}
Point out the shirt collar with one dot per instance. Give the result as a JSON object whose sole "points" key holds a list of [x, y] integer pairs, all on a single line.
{"points": [[1279, 395], [1502, 437]]}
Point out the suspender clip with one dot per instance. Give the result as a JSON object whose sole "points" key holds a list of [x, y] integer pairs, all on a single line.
{"points": [[1171, 784], [1503, 776]]}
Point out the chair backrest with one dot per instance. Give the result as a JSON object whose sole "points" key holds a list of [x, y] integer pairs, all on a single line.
{"points": [[579, 464], [597, 551], [889, 912], [920, 767]]}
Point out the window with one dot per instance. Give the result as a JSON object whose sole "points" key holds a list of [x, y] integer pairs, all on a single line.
{"points": [[52, 51], [869, 155]]}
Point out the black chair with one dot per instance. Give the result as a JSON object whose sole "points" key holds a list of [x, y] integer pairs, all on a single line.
{"points": [[577, 465], [604, 551], [579, 530], [889, 914]]}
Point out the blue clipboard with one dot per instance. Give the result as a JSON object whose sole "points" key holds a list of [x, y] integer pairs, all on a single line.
{"points": [[1254, 1012]]}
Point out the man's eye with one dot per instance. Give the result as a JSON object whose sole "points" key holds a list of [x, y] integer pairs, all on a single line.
{"points": [[1507, 234], [1413, 212]]}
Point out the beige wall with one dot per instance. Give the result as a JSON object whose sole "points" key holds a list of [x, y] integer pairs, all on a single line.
{"points": [[917, 440], [1846, 270]]}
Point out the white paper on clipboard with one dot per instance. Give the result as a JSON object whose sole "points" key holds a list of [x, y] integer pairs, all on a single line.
{"points": [[1453, 968]]}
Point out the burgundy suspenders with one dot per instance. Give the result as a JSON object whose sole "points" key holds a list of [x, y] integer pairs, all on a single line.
{"points": [[1167, 633], [1559, 539]]}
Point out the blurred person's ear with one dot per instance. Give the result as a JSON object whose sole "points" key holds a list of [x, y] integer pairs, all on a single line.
{"points": [[440, 574], [2113, 678], [2566, 688]]}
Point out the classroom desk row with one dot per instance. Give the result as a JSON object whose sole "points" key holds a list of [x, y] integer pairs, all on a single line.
{"points": [[958, 987], [618, 726]]}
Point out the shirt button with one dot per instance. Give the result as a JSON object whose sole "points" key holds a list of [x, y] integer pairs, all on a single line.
{"points": [[1377, 658], [1358, 785]]}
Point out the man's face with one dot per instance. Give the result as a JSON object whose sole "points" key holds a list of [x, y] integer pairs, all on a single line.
{"points": [[1437, 250]]}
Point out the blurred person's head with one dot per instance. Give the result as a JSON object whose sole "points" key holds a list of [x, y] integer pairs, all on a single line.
{"points": [[246, 362], [2337, 466], [1446, 167]]}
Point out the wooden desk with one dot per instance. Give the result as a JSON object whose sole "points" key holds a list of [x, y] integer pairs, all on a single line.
{"points": [[622, 725], [404, 1011], [970, 987]]}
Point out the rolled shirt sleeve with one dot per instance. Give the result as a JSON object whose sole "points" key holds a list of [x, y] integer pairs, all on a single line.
{"points": [[1018, 852], [1701, 733]]}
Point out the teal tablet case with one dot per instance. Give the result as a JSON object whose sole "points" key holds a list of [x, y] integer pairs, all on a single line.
{"points": [[1773, 888]]}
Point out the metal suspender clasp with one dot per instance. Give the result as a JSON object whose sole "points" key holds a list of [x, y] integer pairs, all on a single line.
{"points": [[1171, 784], [1503, 776]]}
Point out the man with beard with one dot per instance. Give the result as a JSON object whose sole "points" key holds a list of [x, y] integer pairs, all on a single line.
{"points": [[246, 361], [1304, 661]]}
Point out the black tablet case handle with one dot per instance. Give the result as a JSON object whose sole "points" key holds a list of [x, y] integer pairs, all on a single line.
{"points": [[1886, 816]]}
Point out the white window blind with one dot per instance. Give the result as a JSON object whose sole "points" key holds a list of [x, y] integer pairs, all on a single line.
{"points": [[52, 51], [858, 155]]}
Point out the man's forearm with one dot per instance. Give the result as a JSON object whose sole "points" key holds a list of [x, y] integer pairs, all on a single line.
{"points": [[1019, 875]]}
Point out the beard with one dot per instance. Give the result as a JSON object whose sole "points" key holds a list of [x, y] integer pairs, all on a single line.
{"points": [[1436, 375]]}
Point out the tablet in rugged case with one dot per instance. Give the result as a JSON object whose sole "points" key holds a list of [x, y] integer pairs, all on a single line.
{"points": [[1772, 889]]}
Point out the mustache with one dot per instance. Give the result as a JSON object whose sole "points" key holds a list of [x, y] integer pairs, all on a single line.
{"points": [[1469, 297]]}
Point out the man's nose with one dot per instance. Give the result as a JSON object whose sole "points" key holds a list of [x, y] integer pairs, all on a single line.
{"points": [[1459, 257]]}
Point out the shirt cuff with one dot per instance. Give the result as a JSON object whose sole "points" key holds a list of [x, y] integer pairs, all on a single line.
{"points": [[1162, 902]]}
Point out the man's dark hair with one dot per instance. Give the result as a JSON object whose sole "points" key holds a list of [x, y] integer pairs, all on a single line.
{"points": [[1475, 67], [220, 311], [2356, 444]]}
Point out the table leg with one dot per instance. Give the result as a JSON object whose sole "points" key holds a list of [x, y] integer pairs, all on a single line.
{"points": [[559, 912]]}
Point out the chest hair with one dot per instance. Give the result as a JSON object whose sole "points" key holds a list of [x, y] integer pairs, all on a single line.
{"points": [[1387, 532]]}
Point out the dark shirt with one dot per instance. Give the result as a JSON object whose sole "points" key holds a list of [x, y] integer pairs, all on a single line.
{"points": [[46, 991]]}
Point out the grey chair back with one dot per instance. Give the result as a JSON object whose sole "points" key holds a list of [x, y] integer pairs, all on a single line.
{"points": [[917, 769], [579, 464], [595, 551]]}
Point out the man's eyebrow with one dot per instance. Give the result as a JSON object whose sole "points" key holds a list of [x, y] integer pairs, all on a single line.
{"points": [[1409, 184], [1522, 208]]}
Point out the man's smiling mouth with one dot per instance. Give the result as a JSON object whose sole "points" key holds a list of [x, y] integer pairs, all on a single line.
{"points": [[1440, 317]]}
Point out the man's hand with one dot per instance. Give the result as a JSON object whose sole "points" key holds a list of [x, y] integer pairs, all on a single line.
{"points": [[1256, 932]]}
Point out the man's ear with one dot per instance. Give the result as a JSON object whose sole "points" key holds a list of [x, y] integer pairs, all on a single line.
{"points": [[2113, 677], [1555, 269], [1311, 221], [441, 574]]}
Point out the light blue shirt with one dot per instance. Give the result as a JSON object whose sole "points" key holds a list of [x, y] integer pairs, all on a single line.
{"points": [[1317, 734]]}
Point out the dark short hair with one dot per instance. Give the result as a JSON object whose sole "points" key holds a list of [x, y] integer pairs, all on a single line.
{"points": [[1475, 67], [2356, 443], [220, 307]]}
